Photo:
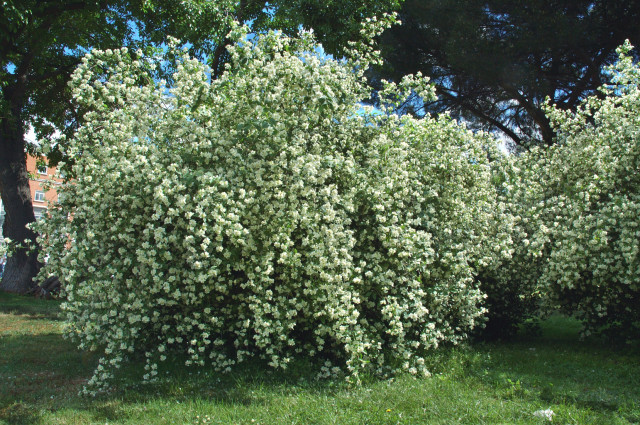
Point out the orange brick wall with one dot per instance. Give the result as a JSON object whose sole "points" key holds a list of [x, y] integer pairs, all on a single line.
{"points": [[37, 183]]}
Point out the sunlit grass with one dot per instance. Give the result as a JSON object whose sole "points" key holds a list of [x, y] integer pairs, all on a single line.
{"points": [[583, 382]]}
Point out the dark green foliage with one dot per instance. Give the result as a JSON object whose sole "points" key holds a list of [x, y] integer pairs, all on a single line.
{"points": [[509, 306], [495, 62]]}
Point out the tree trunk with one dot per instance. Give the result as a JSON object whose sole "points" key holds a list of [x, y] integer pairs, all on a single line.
{"points": [[21, 266]]}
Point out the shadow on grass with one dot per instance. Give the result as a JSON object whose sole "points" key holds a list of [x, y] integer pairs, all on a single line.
{"points": [[19, 414], [552, 366], [43, 373], [240, 387], [27, 305]]}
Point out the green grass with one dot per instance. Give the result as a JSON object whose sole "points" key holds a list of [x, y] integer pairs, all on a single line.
{"points": [[583, 382]]}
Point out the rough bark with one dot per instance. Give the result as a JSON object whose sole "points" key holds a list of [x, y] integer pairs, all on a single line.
{"points": [[22, 265]]}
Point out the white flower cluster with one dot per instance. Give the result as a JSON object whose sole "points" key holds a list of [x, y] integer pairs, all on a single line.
{"points": [[576, 209], [594, 264], [264, 214], [512, 289]]}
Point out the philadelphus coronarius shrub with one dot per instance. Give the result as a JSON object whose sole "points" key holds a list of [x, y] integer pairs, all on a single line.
{"points": [[574, 211], [512, 290], [268, 214], [592, 206]]}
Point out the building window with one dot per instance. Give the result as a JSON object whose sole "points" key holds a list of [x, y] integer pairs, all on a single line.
{"points": [[42, 169], [39, 196], [39, 212]]}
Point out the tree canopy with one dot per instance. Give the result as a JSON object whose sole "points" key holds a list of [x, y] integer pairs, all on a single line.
{"points": [[495, 62]]}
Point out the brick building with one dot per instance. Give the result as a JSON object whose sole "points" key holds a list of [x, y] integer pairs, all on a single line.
{"points": [[39, 173]]}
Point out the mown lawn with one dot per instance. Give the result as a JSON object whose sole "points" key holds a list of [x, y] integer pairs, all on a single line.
{"points": [[582, 382]]}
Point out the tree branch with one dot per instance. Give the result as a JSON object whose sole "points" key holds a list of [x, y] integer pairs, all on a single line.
{"points": [[480, 113]]}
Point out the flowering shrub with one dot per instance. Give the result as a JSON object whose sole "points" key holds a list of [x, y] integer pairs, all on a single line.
{"points": [[574, 206], [593, 205], [267, 213], [511, 284]]}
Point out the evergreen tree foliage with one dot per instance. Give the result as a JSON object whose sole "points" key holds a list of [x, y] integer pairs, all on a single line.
{"points": [[495, 62]]}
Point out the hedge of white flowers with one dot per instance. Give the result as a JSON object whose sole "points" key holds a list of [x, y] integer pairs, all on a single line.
{"points": [[511, 283], [268, 214], [591, 203], [575, 211]]}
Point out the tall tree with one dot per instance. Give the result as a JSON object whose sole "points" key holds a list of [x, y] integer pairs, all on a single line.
{"points": [[42, 41], [495, 62]]}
